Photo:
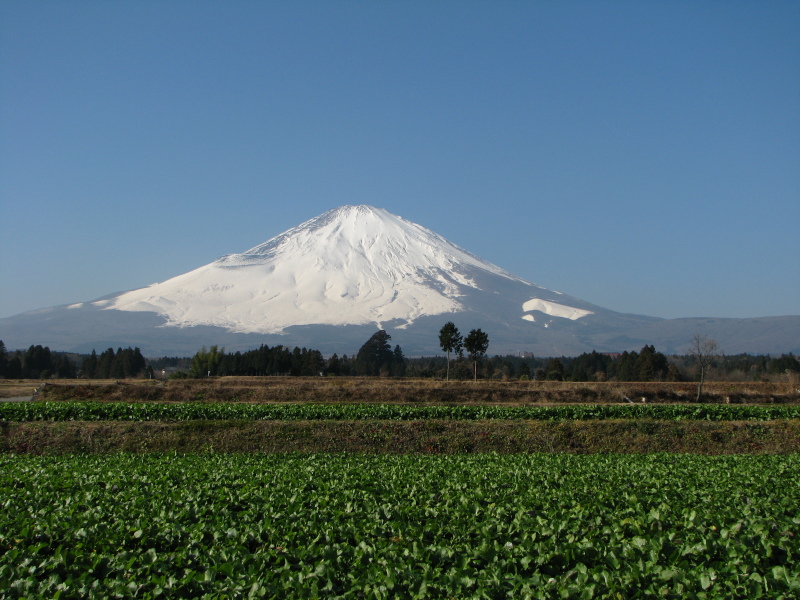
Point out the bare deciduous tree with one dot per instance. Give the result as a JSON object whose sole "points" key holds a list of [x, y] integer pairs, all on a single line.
{"points": [[704, 350]]}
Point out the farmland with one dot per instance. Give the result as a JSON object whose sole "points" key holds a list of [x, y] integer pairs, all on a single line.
{"points": [[409, 526], [120, 411], [246, 487]]}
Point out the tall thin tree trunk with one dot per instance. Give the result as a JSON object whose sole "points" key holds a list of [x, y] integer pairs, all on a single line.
{"points": [[700, 385]]}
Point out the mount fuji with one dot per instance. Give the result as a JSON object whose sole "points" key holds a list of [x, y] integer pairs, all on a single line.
{"points": [[330, 282]]}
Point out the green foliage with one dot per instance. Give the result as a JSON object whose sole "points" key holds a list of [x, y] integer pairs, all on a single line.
{"points": [[37, 362], [376, 356], [206, 362], [450, 340], [786, 362], [335, 526], [122, 364], [190, 411], [554, 370], [476, 344], [278, 360], [14, 367], [398, 362]]}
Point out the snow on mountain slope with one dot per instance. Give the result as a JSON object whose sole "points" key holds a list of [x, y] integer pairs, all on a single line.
{"points": [[553, 309], [365, 268], [353, 265]]}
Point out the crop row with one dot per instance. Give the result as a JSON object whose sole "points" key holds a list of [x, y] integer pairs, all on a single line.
{"points": [[110, 411], [339, 526]]}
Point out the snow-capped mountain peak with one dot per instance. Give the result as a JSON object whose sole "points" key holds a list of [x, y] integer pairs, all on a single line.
{"points": [[351, 265], [387, 241], [329, 282]]}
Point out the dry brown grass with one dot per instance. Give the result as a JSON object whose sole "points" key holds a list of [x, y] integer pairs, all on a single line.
{"points": [[14, 388], [374, 390]]}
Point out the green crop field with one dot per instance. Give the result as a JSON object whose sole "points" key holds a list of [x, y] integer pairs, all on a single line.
{"points": [[186, 411], [408, 526]]}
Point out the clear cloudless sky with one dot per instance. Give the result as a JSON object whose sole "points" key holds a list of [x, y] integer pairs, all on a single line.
{"points": [[643, 156]]}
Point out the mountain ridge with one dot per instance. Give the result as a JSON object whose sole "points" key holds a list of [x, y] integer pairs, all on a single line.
{"points": [[331, 281]]}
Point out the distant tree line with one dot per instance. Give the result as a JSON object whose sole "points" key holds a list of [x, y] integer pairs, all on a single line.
{"points": [[741, 367], [645, 365], [37, 362], [171, 363], [122, 364], [377, 358]]}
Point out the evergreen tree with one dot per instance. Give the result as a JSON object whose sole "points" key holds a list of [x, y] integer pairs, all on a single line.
{"points": [[139, 363], [476, 344], [786, 363], [313, 362], [398, 362], [450, 341], [347, 365], [89, 365], [62, 367], [104, 363], [117, 366], [37, 362], [334, 366], [651, 365], [297, 361], [3, 359], [554, 371], [375, 355], [14, 367], [627, 366], [589, 366]]}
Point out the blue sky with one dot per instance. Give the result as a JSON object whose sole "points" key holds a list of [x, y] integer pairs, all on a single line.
{"points": [[643, 156]]}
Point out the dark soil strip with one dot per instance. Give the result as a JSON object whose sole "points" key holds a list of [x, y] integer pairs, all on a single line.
{"points": [[412, 391], [397, 437]]}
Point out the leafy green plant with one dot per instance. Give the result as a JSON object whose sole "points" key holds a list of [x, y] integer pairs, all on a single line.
{"points": [[122, 411], [339, 526]]}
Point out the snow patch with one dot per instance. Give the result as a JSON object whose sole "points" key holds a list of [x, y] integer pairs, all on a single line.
{"points": [[553, 309]]}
